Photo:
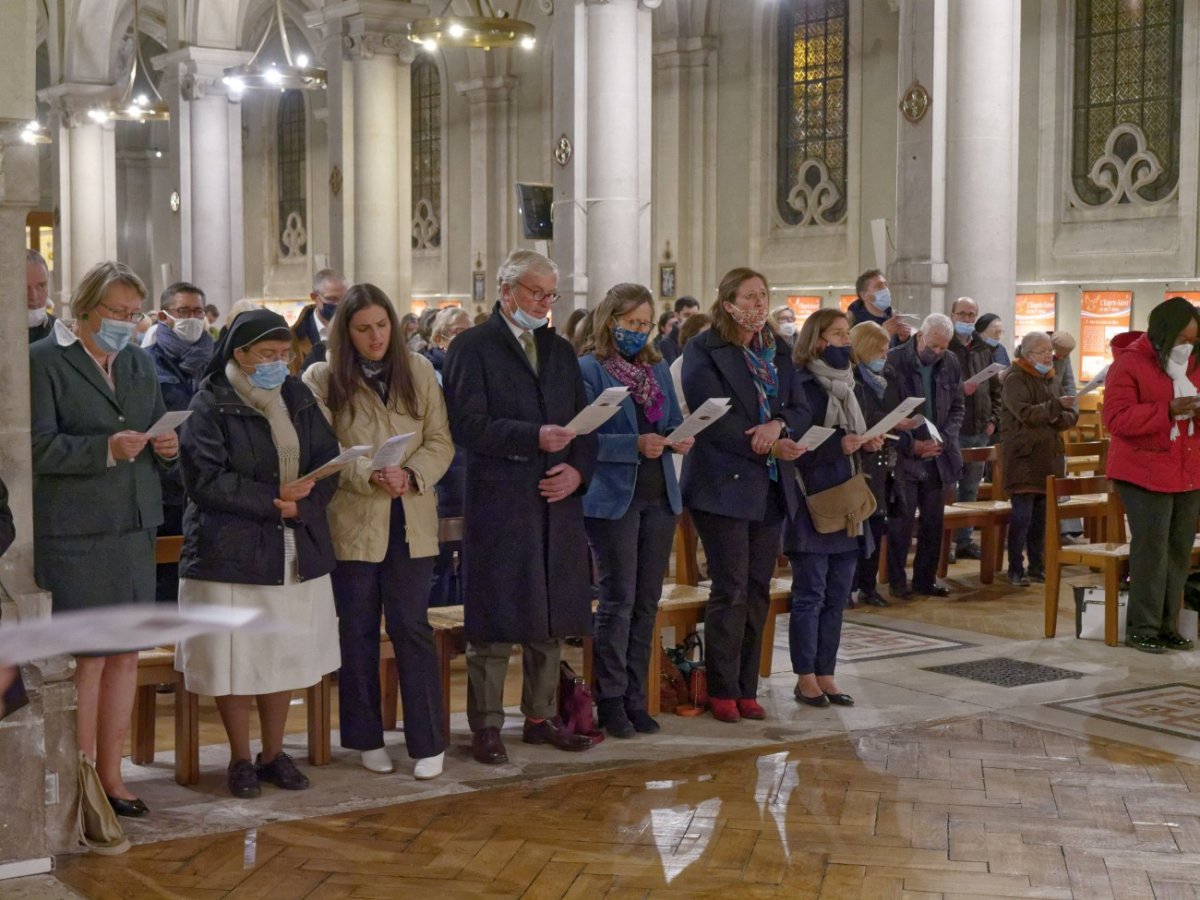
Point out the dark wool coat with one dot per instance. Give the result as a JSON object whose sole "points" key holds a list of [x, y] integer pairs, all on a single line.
{"points": [[947, 407], [983, 406], [880, 465], [526, 570], [1033, 420]]}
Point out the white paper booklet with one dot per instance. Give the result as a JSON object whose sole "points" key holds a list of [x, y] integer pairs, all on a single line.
{"points": [[888, 422], [710, 410], [391, 451], [339, 462], [984, 374], [934, 434], [1096, 382], [815, 437], [169, 422], [598, 411]]}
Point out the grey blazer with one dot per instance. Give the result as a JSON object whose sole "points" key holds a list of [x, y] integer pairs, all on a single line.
{"points": [[73, 413]]}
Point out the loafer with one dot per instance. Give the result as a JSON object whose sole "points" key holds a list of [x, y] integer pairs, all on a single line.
{"points": [[933, 590], [1174, 641], [840, 699], [242, 779], [970, 551], [642, 721], [872, 598], [131, 809], [551, 731], [281, 772], [1145, 644], [818, 701], [749, 708], [724, 710], [487, 748]]}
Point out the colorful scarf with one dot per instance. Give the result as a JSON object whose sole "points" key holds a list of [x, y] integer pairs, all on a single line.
{"points": [[760, 355], [643, 386]]}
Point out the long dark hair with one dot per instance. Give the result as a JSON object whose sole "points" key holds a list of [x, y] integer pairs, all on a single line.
{"points": [[345, 373], [1167, 321]]}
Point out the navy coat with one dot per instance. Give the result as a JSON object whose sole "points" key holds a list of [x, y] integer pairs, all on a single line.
{"points": [[948, 411], [617, 461], [526, 569]]}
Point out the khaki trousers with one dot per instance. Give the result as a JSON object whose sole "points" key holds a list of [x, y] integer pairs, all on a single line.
{"points": [[487, 666]]}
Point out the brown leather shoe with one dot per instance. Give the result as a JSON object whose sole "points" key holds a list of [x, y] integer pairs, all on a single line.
{"points": [[550, 731], [487, 747]]}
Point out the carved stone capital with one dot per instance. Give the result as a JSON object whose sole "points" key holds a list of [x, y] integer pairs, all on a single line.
{"points": [[199, 71], [71, 101], [369, 44]]}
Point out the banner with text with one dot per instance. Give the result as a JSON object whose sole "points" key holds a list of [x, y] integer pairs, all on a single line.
{"points": [[803, 306], [1034, 312], [1102, 316], [845, 300]]}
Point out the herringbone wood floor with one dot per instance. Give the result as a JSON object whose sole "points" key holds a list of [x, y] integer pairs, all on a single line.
{"points": [[977, 806]]}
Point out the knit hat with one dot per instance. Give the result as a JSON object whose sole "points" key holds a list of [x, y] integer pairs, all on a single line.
{"points": [[982, 323], [1063, 342]]}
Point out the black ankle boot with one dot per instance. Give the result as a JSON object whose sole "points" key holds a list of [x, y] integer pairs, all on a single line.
{"points": [[613, 719]]}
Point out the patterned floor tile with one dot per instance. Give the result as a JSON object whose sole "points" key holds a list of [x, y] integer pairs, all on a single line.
{"points": [[861, 643], [1166, 708], [1004, 672]]}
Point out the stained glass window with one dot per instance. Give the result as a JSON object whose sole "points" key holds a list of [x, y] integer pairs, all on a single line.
{"points": [[291, 175], [1128, 68], [813, 67], [426, 153]]}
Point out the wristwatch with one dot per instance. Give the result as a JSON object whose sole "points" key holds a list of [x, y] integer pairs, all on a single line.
{"points": [[784, 431]]}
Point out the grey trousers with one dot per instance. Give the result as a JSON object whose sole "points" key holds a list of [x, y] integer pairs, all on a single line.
{"points": [[487, 666], [1161, 530]]}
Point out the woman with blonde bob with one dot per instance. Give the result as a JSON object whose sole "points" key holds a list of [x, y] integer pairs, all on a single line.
{"points": [[631, 504]]}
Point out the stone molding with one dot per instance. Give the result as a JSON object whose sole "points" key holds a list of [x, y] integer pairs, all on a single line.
{"points": [[487, 90], [1124, 176], [200, 71], [72, 100]]}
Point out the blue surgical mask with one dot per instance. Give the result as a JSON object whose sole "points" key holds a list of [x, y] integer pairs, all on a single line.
{"points": [[269, 375], [113, 335], [1044, 368], [837, 357], [876, 365], [526, 321], [883, 299], [327, 311], [964, 329], [629, 343], [991, 342]]}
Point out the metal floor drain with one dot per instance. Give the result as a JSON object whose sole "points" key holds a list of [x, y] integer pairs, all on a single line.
{"points": [[1004, 672]]}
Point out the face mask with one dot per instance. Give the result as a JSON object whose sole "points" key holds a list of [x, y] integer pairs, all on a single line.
{"points": [[787, 329], [269, 375], [1044, 368], [991, 342], [629, 343], [113, 335], [883, 299], [526, 321], [876, 365], [327, 311], [187, 330], [928, 356], [748, 319], [964, 329], [837, 357], [1180, 354], [36, 317]]}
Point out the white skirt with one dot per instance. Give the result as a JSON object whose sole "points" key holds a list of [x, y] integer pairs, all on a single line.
{"points": [[217, 665]]}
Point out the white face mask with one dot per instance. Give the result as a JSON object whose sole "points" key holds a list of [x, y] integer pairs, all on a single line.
{"points": [[188, 330], [787, 329], [36, 317], [1180, 354]]}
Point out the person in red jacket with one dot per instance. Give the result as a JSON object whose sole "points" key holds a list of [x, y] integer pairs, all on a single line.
{"points": [[1150, 404]]}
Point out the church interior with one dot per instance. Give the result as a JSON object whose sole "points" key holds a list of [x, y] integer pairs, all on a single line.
{"points": [[1039, 156]]}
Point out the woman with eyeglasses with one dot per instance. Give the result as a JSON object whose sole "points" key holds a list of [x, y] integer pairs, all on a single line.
{"points": [[255, 535], [631, 503], [96, 496]]}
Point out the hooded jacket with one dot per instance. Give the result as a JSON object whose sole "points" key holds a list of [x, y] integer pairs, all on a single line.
{"points": [[1137, 395]]}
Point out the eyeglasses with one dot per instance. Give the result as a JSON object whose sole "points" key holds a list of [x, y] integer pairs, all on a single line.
{"points": [[550, 297], [186, 312], [641, 327], [120, 316], [270, 356]]}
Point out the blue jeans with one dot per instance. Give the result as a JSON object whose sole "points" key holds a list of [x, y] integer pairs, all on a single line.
{"points": [[821, 585], [968, 484]]}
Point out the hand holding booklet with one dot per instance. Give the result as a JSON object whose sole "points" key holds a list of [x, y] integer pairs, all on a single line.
{"points": [[391, 451], [892, 419], [598, 411], [710, 410], [169, 422], [338, 463]]}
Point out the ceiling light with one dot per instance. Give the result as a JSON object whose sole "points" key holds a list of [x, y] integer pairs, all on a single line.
{"points": [[34, 133], [299, 75], [485, 30], [128, 108]]}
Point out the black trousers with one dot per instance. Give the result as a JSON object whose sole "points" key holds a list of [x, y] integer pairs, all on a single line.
{"points": [[166, 575], [866, 576], [1027, 533], [741, 557], [910, 497], [631, 555], [397, 588]]}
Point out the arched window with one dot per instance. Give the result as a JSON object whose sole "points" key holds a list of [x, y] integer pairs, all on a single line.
{"points": [[426, 155], [1128, 68], [291, 176], [813, 71]]}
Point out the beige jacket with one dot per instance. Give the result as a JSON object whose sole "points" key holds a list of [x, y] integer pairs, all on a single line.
{"points": [[360, 512]]}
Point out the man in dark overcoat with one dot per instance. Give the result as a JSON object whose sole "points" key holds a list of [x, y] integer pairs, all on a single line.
{"points": [[511, 385]]}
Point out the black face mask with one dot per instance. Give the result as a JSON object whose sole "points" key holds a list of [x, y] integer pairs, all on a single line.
{"points": [[837, 357], [928, 357]]}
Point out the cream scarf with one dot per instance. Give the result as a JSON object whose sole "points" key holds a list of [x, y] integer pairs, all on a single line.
{"points": [[271, 405], [843, 410], [1183, 388]]}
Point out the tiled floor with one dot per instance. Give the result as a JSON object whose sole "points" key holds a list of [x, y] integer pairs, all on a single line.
{"points": [[862, 642], [1169, 708]]}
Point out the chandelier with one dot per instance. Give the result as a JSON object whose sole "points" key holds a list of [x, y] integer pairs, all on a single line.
{"points": [[482, 31], [297, 74], [131, 107]]}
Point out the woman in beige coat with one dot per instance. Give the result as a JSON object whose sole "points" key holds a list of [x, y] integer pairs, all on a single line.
{"points": [[384, 524]]}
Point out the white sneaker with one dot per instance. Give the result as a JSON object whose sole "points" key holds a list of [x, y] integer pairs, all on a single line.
{"points": [[377, 760], [429, 767]]}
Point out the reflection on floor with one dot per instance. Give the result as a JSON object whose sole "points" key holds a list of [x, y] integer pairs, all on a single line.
{"points": [[932, 785]]}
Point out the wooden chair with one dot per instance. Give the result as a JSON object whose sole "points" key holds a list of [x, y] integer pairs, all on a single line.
{"points": [[1111, 557], [687, 545], [1086, 457], [989, 516]]}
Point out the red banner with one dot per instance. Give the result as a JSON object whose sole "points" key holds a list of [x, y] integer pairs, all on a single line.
{"points": [[803, 307], [1102, 316], [845, 300]]}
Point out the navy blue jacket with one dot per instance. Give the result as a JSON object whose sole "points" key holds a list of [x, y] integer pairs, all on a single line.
{"points": [[947, 406], [177, 389], [617, 461], [722, 474]]}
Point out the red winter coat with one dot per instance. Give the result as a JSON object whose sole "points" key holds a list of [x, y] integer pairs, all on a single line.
{"points": [[1137, 393]]}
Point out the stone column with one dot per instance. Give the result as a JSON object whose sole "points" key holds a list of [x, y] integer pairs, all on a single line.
{"points": [[206, 149]]}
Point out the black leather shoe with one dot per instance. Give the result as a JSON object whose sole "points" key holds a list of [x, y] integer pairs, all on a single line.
{"points": [[900, 591], [934, 590], [281, 772], [131, 809], [969, 551], [1174, 641], [642, 721], [840, 699], [820, 700], [550, 731], [872, 598], [487, 748], [611, 716], [1145, 644], [242, 779]]}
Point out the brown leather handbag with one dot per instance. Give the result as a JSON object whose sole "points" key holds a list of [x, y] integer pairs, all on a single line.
{"points": [[844, 506]]}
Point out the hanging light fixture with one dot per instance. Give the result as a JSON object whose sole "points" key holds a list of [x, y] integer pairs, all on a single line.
{"points": [[133, 107], [34, 132], [485, 30], [296, 74]]}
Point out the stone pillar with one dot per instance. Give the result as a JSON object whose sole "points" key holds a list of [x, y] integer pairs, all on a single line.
{"points": [[492, 170], [981, 155], [206, 150], [371, 139]]}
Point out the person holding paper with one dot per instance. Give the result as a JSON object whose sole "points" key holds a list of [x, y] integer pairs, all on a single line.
{"points": [[1150, 404], [385, 524], [512, 384], [823, 565], [256, 535], [874, 304], [926, 465], [739, 482], [631, 504], [96, 497]]}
